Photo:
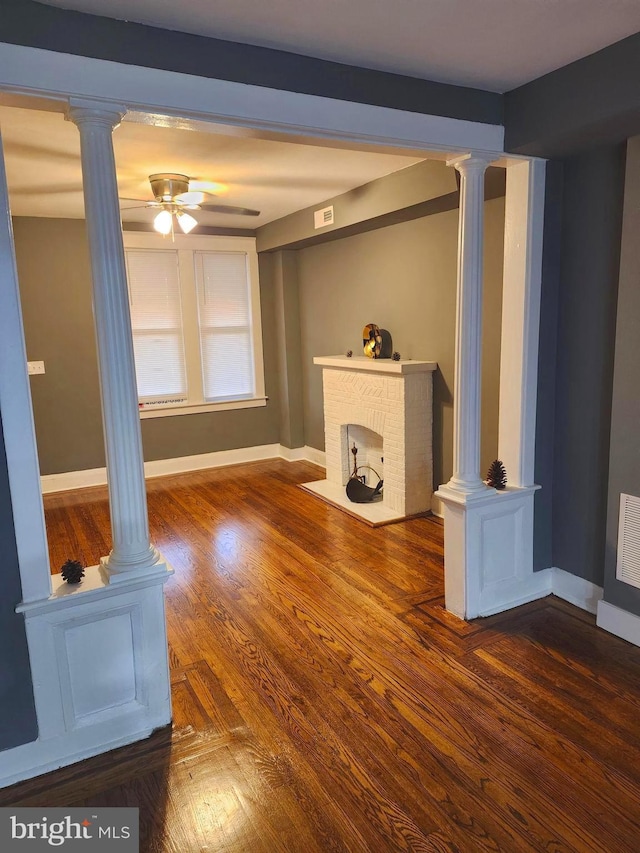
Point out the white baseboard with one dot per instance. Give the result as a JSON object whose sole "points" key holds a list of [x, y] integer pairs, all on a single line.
{"points": [[73, 480], [575, 590], [182, 464], [554, 581], [437, 507], [302, 454], [619, 622], [316, 456]]}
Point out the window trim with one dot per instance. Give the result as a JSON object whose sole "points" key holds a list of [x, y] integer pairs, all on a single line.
{"points": [[186, 246]]}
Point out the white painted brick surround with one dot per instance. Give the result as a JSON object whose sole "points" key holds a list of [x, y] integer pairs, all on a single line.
{"points": [[396, 405]]}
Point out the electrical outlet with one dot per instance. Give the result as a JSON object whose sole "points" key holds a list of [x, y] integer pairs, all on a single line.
{"points": [[34, 367]]}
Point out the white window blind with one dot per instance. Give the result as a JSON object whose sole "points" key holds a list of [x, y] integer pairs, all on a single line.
{"points": [[224, 313], [156, 321]]}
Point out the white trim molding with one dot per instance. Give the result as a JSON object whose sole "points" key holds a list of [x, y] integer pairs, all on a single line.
{"points": [[619, 622], [173, 410], [35, 71], [17, 420], [64, 482], [575, 590], [522, 282]]}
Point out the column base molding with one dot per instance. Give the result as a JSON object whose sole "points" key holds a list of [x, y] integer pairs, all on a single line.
{"points": [[98, 655], [152, 566], [461, 494], [488, 543]]}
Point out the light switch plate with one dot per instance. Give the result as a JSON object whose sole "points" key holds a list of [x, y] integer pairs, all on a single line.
{"points": [[35, 367]]}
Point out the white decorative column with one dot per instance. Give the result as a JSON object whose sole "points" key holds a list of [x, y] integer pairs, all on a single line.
{"points": [[466, 405], [132, 550], [489, 533]]}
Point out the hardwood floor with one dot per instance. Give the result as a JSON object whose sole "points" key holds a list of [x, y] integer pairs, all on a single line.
{"points": [[325, 701]]}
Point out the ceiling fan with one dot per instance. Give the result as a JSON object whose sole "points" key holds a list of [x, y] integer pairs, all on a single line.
{"points": [[172, 198]]}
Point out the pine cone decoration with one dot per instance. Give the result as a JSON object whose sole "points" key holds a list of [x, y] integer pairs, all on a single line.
{"points": [[396, 356], [497, 476], [349, 353], [72, 571]]}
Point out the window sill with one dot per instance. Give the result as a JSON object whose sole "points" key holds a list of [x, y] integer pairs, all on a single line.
{"points": [[199, 408]]}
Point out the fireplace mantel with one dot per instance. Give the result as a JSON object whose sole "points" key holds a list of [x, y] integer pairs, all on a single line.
{"points": [[375, 365], [385, 407]]}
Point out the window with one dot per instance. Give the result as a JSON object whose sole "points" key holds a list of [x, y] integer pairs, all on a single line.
{"points": [[195, 318]]}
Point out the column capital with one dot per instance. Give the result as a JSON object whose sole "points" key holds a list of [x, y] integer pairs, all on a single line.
{"points": [[81, 111], [471, 162]]}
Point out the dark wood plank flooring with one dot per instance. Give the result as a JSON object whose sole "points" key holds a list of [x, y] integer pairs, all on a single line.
{"points": [[324, 700]]}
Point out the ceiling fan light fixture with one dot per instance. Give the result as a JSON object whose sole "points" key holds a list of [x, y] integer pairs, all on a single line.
{"points": [[187, 223], [163, 221]]}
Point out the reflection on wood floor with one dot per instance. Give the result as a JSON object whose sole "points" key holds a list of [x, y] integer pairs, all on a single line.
{"points": [[325, 701]]}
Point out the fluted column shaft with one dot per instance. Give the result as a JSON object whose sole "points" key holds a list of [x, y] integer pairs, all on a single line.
{"points": [[132, 549], [466, 406]]}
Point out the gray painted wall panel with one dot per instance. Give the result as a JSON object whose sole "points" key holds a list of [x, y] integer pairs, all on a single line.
{"points": [[624, 459], [547, 356], [593, 186], [591, 102], [18, 722]]}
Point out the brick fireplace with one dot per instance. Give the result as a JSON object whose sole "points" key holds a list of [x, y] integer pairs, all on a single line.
{"points": [[385, 408]]}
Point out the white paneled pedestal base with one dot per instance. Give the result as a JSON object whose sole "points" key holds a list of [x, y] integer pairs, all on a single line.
{"points": [[488, 543], [100, 671]]}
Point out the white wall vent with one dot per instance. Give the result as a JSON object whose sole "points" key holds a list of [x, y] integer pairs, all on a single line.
{"points": [[628, 565], [323, 217]]}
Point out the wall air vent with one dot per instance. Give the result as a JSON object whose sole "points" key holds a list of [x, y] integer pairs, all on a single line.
{"points": [[628, 566], [323, 217]]}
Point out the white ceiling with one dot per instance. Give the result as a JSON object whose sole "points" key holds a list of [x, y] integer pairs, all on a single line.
{"points": [[487, 44], [42, 154]]}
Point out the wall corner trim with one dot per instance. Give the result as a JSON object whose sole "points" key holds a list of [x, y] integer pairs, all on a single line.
{"points": [[182, 464], [575, 590], [619, 622]]}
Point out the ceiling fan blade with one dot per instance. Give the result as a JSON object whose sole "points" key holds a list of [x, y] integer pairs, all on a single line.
{"points": [[190, 199], [228, 208], [142, 201]]}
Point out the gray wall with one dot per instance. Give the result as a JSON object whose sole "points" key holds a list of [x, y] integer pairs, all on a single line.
{"points": [[17, 711], [403, 278], [54, 274], [624, 458], [589, 103], [591, 225]]}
